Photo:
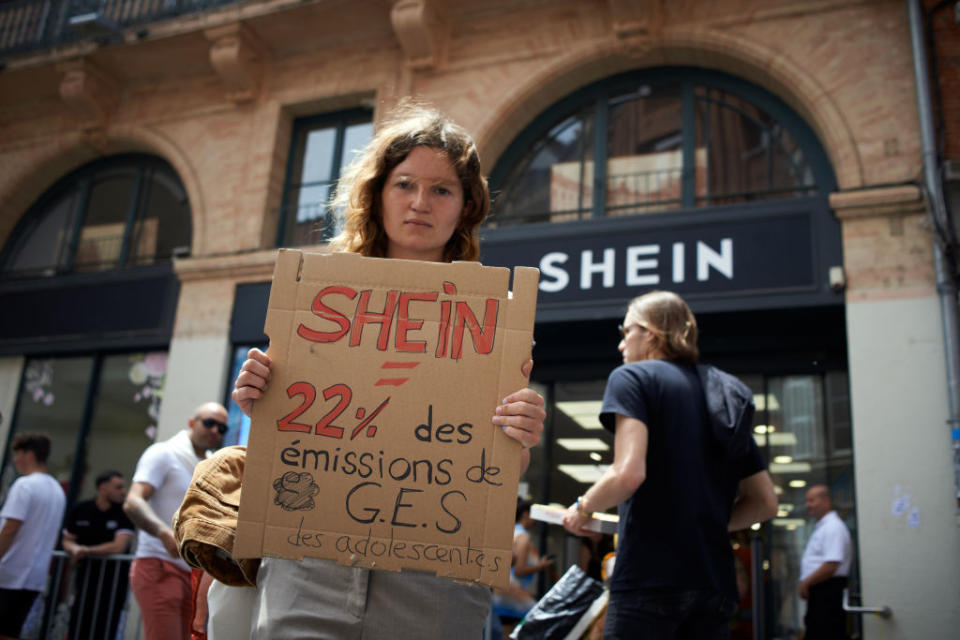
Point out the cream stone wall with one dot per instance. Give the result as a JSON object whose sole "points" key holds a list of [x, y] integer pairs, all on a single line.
{"points": [[908, 534], [909, 541]]}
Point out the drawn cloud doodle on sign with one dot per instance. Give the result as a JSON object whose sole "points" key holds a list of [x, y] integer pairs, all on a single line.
{"points": [[295, 491]]}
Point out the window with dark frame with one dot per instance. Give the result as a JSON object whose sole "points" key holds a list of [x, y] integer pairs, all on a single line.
{"points": [[320, 148], [122, 211], [654, 142]]}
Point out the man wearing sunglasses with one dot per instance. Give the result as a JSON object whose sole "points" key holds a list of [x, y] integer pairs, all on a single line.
{"points": [[159, 579]]}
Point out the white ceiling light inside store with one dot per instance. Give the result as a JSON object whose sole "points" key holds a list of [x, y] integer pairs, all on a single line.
{"points": [[796, 484], [785, 506], [776, 439], [583, 444], [788, 522], [761, 403], [585, 413], [790, 467], [583, 473]]}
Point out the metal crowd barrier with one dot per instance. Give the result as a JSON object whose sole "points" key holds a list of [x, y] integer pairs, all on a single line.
{"points": [[86, 600]]}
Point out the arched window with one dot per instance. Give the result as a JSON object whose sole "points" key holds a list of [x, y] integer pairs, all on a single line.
{"points": [[656, 141], [122, 211]]}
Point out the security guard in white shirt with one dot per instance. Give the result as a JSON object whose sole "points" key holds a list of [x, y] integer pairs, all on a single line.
{"points": [[824, 568]]}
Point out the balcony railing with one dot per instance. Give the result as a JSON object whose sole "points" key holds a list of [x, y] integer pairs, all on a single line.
{"points": [[30, 25]]}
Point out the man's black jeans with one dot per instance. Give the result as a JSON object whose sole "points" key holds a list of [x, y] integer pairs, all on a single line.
{"points": [[668, 613]]}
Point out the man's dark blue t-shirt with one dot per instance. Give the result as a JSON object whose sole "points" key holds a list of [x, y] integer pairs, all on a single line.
{"points": [[673, 529]]}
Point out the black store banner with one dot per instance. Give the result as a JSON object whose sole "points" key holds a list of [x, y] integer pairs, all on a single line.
{"points": [[720, 259]]}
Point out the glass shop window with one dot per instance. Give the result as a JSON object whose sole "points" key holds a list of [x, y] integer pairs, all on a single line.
{"points": [[100, 413]]}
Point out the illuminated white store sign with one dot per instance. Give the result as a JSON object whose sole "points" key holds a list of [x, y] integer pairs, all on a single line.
{"points": [[730, 254], [635, 266]]}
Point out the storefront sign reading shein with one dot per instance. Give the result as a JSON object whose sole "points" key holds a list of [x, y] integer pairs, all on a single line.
{"points": [[606, 261], [641, 265]]}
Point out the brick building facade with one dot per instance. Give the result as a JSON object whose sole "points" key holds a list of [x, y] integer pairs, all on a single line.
{"points": [[221, 95]]}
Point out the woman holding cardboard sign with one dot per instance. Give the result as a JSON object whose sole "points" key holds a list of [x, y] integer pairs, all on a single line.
{"points": [[416, 193]]}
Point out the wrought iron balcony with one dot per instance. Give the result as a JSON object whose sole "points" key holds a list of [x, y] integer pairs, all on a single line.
{"points": [[31, 25]]}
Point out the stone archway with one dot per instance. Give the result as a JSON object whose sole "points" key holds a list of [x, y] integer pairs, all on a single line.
{"points": [[41, 166], [697, 47]]}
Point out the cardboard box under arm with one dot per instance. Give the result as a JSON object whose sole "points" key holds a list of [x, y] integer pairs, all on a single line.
{"points": [[600, 522]]}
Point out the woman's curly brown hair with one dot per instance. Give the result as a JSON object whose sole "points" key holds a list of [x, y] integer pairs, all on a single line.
{"points": [[358, 199]]}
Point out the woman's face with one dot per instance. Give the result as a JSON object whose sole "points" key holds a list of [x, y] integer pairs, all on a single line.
{"points": [[422, 202]]}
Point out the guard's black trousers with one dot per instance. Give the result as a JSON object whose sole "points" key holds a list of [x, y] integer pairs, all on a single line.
{"points": [[826, 619]]}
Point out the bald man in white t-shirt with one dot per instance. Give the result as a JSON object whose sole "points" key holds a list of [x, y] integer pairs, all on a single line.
{"points": [[159, 579], [824, 568]]}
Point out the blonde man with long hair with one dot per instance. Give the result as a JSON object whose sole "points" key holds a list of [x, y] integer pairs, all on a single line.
{"points": [[686, 470]]}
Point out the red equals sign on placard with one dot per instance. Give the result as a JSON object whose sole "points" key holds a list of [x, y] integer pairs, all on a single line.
{"points": [[395, 382]]}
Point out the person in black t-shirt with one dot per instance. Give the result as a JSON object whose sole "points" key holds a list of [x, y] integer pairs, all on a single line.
{"points": [[96, 528], [686, 470]]}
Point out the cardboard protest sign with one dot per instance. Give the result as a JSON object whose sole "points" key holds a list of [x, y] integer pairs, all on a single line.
{"points": [[374, 444]]}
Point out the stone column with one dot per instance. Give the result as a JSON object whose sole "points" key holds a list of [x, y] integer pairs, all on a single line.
{"points": [[200, 355], [909, 543]]}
